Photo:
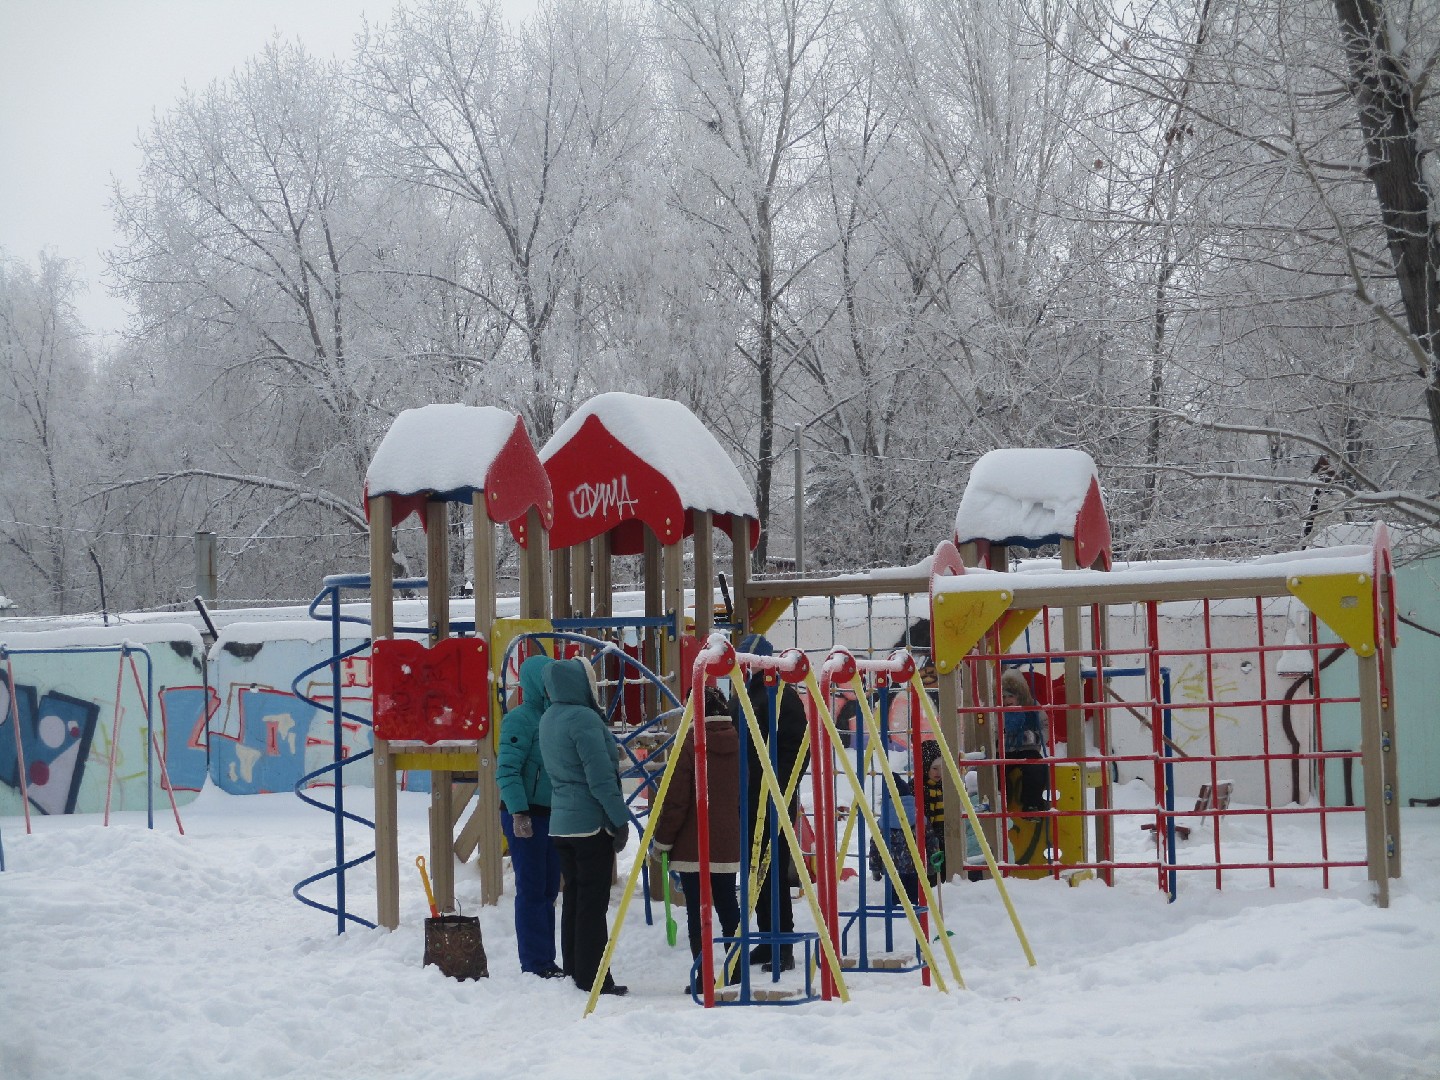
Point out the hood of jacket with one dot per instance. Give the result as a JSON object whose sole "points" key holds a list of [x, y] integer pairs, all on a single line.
{"points": [[532, 683], [721, 737], [567, 684]]}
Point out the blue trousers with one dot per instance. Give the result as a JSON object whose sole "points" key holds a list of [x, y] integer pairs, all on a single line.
{"points": [[537, 884]]}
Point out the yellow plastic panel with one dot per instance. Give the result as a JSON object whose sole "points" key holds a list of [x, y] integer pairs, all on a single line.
{"points": [[437, 760], [765, 612], [1069, 834], [961, 620], [1014, 624], [1343, 602]]}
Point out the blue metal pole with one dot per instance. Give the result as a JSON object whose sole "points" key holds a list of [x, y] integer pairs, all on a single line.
{"points": [[337, 757]]}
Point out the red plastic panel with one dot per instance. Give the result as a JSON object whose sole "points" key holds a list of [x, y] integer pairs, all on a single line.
{"points": [[601, 486], [1092, 530], [426, 695], [517, 481]]}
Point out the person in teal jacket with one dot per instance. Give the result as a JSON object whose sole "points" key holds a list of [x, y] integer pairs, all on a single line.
{"points": [[525, 819], [589, 821]]}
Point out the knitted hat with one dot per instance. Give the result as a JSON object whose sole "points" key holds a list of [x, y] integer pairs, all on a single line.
{"points": [[929, 754], [756, 645]]}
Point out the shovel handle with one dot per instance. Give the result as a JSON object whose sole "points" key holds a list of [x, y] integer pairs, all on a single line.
{"points": [[425, 880]]}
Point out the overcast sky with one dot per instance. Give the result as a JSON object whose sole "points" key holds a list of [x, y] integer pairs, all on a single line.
{"points": [[79, 79]]}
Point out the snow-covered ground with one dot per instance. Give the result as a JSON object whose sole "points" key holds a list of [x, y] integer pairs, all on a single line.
{"points": [[131, 953]]}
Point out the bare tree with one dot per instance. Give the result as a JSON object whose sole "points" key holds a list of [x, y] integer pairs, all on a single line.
{"points": [[44, 382], [528, 129]]}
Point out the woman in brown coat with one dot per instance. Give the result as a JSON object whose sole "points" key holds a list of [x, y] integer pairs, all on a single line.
{"points": [[677, 831]]}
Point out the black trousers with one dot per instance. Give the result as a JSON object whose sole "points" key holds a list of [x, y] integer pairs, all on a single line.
{"points": [[724, 900], [587, 863], [1026, 779], [777, 877]]}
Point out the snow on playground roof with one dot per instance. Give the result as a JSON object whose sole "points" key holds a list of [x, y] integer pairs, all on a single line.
{"points": [[1026, 497], [450, 451], [1148, 576], [623, 459]]}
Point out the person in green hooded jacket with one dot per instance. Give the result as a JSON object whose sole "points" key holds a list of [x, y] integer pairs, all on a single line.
{"points": [[589, 822], [525, 820]]}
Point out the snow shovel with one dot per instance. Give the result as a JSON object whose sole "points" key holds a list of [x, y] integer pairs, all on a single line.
{"points": [[452, 942], [425, 880], [672, 928]]}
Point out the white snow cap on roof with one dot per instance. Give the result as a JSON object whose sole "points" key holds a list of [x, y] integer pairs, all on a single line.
{"points": [[669, 438], [1024, 494], [439, 448]]}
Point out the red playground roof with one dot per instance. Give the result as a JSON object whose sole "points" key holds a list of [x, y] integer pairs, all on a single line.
{"points": [[449, 452], [624, 461]]}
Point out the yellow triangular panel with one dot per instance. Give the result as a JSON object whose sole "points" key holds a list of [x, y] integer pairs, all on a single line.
{"points": [[1343, 602], [961, 620], [765, 612], [1014, 624]]}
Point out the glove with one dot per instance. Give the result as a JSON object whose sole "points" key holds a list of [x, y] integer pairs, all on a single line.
{"points": [[522, 826], [618, 840]]}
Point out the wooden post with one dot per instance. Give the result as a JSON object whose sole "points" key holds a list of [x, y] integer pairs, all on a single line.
{"points": [[948, 709], [1372, 750], [533, 560], [560, 598], [603, 582], [581, 602], [740, 572], [437, 593], [483, 544], [704, 569], [1075, 692], [382, 625], [1389, 748], [674, 602], [486, 814], [653, 654]]}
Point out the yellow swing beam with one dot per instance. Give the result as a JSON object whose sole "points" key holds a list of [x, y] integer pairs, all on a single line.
{"points": [[687, 717], [918, 688], [883, 849], [772, 787]]}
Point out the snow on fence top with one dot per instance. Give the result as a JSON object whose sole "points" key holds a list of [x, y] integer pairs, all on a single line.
{"points": [[1031, 497], [622, 460], [448, 452]]}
